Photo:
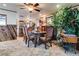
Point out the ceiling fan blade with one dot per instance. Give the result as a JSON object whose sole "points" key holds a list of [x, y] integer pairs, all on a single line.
{"points": [[36, 4], [25, 3], [37, 10], [28, 4], [19, 5], [22, 8]]}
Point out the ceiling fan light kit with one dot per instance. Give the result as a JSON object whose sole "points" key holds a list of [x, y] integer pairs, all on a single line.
{"points": [[32, 7]]}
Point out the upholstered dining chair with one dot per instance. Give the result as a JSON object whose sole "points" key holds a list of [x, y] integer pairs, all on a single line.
{"points": [[29, 36], [69, 43], [48, 37], [25, 34]]}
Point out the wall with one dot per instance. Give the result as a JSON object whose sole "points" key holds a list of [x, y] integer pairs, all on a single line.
{"points": [[11, 16]]}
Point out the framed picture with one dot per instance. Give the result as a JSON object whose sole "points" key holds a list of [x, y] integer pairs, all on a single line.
{"points": [[3, 20], [49, 21]]}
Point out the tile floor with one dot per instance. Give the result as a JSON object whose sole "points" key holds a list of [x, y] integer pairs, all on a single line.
{"points": [[19, 48]]}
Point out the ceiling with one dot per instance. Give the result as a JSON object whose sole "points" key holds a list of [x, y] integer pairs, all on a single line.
{"points": [[9, 6], [46, 8]]}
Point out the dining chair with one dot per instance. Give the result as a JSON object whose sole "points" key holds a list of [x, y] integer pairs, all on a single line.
{"points": [[29, 36], [25, 34], [48, 37], [69, 43]]}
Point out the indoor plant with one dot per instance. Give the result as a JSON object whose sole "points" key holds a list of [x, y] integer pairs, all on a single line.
{"points": [[67, 18]]}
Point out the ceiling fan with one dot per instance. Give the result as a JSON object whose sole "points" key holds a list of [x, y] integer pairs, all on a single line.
{"points": [[32, 6]]}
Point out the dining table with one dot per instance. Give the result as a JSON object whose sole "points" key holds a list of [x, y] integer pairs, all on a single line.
{"points": [[37, 36]]}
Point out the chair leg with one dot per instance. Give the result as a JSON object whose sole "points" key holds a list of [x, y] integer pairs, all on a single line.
{"points": [[75, 52], [25, 42], [50, 44], [35, 42], [25, 39], [35, 45], [28, 43], [65, 51], [45, 45], [75, 49]]}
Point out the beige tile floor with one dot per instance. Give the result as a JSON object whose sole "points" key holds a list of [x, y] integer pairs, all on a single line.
{"points": [[19, 48]]}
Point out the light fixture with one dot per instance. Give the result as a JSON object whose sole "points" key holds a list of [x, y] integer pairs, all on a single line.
{"points": [[57, 5], [40, 14], [30, 8], [4, 5]]}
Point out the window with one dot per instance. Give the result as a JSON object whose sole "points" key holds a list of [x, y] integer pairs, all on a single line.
{"points": [[3, 19], [50, 21]]}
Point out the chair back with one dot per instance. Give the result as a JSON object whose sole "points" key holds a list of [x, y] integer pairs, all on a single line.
{"points": [[25, 31], [70, 39], [49, 31]]}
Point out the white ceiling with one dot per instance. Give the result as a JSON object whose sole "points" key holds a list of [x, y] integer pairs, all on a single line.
{"points": [[46, 8], [9, 6]]}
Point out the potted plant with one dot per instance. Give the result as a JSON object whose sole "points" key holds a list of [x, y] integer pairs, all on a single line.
{"points": [[64, 18]]}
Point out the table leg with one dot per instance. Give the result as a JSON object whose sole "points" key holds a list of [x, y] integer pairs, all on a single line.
{"points": [[35, 41]]}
